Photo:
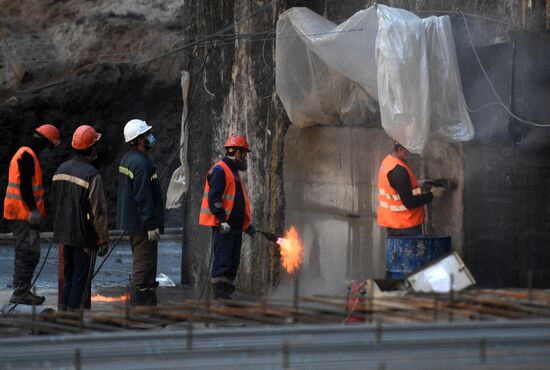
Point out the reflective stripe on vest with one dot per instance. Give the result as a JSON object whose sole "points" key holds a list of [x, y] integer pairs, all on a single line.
{"points": [[391, 210], [125, 171], [206, 217], [72, 179], [14, 205]]}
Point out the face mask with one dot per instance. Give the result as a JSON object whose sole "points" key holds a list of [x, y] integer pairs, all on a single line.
{"points": [[150, 141], [46, 154], [93, 157], [242, 164]]}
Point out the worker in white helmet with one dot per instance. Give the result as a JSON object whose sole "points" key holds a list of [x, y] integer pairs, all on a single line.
{"points": [[140, 210]]}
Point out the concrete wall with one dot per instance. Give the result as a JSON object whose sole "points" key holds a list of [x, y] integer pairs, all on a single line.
{"points": [[331, 186]]}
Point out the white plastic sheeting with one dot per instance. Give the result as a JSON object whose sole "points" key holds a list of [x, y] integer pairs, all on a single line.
{"points": [[331, 74], [179, 182]]}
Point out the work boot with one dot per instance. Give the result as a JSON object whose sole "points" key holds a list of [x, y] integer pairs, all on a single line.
{"points": [[223, 290], [149, 297], [28, 299], [217, 290], [229, 289], [143, 297]]}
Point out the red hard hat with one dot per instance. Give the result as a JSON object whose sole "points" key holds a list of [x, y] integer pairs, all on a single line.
{"points": [[84, 137], [237, 141], [50, 132]]}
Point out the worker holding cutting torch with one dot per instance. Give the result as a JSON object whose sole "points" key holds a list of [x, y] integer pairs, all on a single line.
{"points": [[226, 209]]}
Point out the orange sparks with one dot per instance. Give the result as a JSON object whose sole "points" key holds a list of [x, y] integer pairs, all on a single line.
{"points": [[102, 298], [292, 251]]}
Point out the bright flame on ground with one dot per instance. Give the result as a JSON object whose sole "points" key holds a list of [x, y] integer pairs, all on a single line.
{"points": [[292, 251], [102, 298]]}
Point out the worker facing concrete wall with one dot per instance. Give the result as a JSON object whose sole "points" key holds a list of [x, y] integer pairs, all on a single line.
{"points": [[331, 189]]}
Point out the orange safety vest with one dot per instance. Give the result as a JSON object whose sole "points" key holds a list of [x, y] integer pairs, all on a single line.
{"points": [[391, 210], [228, 199], [14, 206]]}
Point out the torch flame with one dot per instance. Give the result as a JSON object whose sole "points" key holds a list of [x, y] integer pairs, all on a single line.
{"points": [[102, 298], [292, 251]]}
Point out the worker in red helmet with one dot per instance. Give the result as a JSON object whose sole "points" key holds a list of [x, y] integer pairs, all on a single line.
{"points": [[226, 209], [80, 217], [24, 209]]}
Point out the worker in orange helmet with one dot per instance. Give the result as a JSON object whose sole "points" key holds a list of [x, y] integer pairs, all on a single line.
{"points": [[80, 217], [400, 198], [226, 209], [24, 209]]}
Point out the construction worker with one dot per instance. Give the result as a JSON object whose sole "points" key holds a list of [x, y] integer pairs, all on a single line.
{"points": [[24, 209], [80, 217], [225, 207], [140, 210], [401, 200]]}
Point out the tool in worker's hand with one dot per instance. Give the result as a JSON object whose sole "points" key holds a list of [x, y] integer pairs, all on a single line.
{"points": [[269, 236]]}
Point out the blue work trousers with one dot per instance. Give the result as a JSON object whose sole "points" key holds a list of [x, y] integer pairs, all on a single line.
{"points": [[227, 255], [76, 284]]}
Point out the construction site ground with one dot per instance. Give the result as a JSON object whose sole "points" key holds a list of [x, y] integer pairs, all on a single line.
{"points": [[476, 329], [286, 329]]}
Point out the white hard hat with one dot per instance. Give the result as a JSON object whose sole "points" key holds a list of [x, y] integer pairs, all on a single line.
{"points": [[134, 128]]}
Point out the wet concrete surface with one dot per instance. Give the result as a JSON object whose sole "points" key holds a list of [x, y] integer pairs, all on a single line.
{"points": [[114, 272], [166, 295], [111, 280]]}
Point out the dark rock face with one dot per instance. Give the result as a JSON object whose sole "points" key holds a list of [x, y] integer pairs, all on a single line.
{"points": [[105, 97]]}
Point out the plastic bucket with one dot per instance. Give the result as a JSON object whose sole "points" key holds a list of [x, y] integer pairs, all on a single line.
{"points": [[406, 254]]}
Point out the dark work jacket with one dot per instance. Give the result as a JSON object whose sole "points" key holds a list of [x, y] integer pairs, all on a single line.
{"points": [[400, 181], [139, 200], [216, 181], [79, 206]]}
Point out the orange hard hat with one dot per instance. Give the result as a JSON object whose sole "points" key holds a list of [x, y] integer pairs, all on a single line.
{"points": [[50, 132], [237, 141], [84, 137]]}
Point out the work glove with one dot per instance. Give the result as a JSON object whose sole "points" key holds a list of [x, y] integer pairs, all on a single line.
{"points": [[225, 228], [251, 231], [437, 191], [103, 249], [34, 217], [153, 235]]}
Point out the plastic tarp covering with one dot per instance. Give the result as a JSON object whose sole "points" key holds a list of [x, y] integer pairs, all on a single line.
{"points": [[384, 57], [179, 182]]}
